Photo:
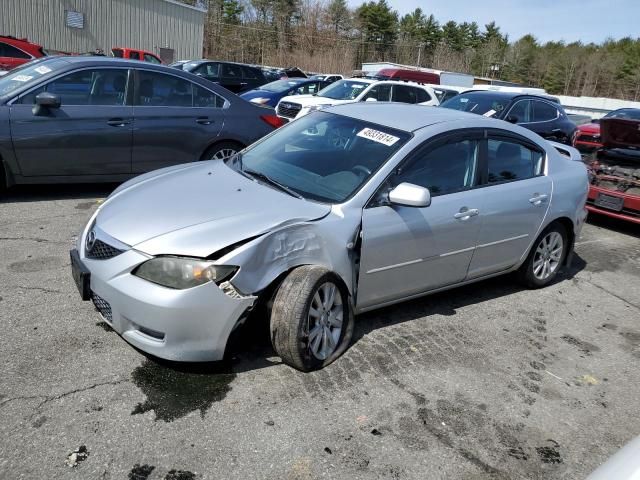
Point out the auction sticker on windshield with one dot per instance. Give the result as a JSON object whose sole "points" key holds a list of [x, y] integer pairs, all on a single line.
{"points": [[21, 78], [42, 70], [378, 136]]}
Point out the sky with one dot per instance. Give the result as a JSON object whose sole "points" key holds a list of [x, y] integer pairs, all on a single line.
{"points": [[568, 20]]}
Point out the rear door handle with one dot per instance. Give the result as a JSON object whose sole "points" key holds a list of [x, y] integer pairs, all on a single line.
{"points": [[204, 121], [538, 199], [466, 213], [118, 122]]}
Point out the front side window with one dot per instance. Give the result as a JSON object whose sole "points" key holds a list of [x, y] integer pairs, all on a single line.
{"points": [[344, 90], [448, 168], [508, 161], [481, 103], [249, 74], [134, 55], [160, 90], [543, 112], [380, 93], [85, 87], [10, 51], [404, 94], [321, 156], [422, 95], [308, 89], [521, 112]]}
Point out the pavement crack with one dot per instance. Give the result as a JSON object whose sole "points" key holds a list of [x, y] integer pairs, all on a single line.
{"points": [[12, 399], [40, 289], [78, 390], [590, 282], [34, 239]]}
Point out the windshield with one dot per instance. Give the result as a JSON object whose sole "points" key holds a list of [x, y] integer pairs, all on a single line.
{"points": [[279, 86], [343, 90], [321, 156], [630, 113], [479, 103], [28, 74]]}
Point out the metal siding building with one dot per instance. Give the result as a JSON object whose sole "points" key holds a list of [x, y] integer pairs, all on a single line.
{"points": [[80, 26]]}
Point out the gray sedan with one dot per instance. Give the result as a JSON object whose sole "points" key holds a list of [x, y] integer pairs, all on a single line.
{"points": [[93, 119], [340, 212]]}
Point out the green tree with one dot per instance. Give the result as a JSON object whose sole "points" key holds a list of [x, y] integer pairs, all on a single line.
{"points": [[338, 16]]}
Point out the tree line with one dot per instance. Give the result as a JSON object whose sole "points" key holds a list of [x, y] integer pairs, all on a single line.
{"points": [[328, 36]]}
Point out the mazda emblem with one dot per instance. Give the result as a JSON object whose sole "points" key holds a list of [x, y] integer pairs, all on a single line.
{"points": [[90, 241]]}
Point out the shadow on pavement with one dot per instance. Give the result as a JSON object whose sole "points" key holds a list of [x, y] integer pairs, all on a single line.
{"points": [[39, 193], [614, 224]]}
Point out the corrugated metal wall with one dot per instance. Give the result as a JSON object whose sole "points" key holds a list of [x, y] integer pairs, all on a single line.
{"points": [[146, 24]]}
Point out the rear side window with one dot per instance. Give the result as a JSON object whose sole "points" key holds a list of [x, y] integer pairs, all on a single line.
{"points": [[150, 58], [405, 94], [160, 90], [249, 73], [209, 70], [543, 112], [117, 52], [10, 51], [448, 168], [86, 87], [204, 98], [422, 95], [231, 71], [509, 160], [134, 55]]}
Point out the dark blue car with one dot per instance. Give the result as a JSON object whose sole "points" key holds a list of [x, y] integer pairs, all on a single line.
{"points": [[271, 93]]}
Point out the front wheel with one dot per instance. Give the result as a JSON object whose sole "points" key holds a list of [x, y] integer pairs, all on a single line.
{"points": [[311, 318], [222, 151], [546, 257]]}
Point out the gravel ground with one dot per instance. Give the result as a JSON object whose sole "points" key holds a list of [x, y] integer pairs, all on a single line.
{"points": [[485, 382]]}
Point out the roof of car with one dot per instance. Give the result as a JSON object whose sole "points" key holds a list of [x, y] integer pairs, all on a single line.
{"points": [[402, 116], [508, 95], [207, 60]]}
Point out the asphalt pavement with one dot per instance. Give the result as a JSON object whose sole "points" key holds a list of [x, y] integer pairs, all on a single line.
{"points": [[489, 381]]}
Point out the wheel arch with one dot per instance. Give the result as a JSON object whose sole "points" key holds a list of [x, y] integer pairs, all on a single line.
{"points": [[218, 141]]}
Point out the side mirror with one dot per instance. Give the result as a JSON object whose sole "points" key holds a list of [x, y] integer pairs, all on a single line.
{"points": [[371, 99], [512, 119], [45, 101], [410, 195]]}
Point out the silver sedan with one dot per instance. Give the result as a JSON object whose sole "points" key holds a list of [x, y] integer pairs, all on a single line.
{"points": [[340, 212]]}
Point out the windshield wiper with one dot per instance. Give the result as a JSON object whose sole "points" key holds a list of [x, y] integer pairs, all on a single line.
{"points": [[271, 181]]}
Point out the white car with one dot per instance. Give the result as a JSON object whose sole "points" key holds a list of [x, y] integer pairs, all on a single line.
{"points": [[356, 90]]}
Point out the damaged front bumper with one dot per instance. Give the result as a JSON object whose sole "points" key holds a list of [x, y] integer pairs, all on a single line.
{"points": [[193, 324]]}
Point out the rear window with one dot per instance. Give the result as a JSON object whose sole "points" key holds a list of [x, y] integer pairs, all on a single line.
{"points": [[478, 102], [10, 51]]}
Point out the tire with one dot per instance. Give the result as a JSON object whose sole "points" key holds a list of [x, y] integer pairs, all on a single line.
{"points": [[221, 151], [293, 321], [546, 257]]}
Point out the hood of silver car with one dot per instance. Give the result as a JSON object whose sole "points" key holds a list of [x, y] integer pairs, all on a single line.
{"points": [[198, 210]]}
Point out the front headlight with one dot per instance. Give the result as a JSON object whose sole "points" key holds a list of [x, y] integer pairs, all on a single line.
{"points": [[259, 100], [182, 272]]}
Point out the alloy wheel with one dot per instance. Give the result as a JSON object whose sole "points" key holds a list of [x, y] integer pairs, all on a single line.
{"points": [[223, 154], [548, 255], [324, 321]]}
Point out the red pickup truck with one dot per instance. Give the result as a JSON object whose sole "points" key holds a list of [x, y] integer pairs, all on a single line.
{"points": [[16, 51], [135, 54]]}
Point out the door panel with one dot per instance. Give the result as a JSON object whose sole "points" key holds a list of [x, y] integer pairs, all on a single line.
{"points": [[91, 132], [409, 250], [169, 129], [516, 203]]}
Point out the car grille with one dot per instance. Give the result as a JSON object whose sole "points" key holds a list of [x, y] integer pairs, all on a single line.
{"points": [[289, 110], [102, 306], [589, 138], [102, 251]]}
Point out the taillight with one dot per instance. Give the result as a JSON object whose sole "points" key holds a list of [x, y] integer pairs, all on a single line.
{"points": [[273, 120]]}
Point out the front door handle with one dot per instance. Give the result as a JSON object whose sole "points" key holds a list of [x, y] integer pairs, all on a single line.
{"points": [[118, 122], [466, 213], [538, 199], [204, 121]]}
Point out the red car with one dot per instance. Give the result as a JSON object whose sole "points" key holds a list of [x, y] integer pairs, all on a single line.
{"points": [[587, 137], [135, 54], [615, 175], [16, 51]]}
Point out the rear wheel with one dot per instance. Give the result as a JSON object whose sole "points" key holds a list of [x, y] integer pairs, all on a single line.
{"points": [[546, 257], [311, 318], [222, 151]]}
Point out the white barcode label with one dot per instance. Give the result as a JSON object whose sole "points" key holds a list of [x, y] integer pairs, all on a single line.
{"points": [[378, 136]]}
